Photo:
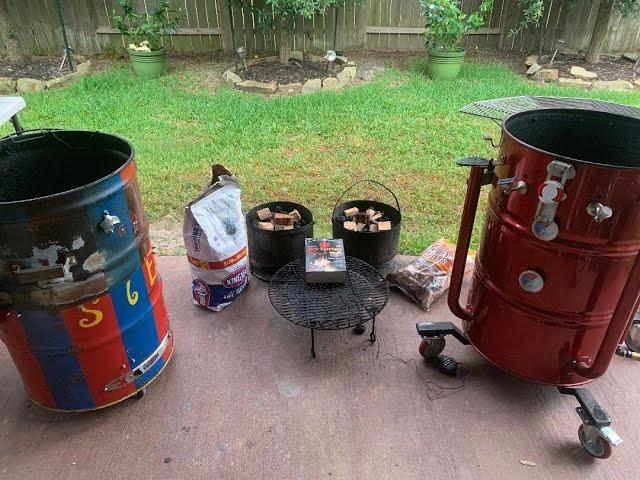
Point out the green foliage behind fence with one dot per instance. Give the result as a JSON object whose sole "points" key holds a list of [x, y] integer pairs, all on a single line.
{"points": [[377, 25]]}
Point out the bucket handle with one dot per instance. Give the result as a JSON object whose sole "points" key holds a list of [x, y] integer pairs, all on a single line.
{"points": [[479, 168], [358, 183]]}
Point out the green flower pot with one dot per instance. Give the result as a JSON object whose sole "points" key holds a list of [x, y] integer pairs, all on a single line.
{"points": [[148, 64], [444, 64]]}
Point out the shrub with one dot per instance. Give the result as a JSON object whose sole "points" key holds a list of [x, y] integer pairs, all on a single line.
{"points": [[446, 24], [146, 29]]}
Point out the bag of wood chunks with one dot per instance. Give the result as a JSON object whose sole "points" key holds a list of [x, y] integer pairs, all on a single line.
{"points": [[427, 278], [215, 237]]}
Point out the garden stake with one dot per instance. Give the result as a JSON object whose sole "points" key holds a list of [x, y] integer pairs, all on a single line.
{"points": [[67, 50], [233, 32]]}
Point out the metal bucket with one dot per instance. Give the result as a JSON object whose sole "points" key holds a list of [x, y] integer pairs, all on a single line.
{"points": [[81, 306], [557, 278], [376, 248], [268, 250]]}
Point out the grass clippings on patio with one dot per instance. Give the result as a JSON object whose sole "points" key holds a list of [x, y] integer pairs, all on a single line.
{"points": [[401, 129]]}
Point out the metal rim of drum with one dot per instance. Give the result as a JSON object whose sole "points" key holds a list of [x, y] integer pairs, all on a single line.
{"points": [[35, 134], [532, 113]]}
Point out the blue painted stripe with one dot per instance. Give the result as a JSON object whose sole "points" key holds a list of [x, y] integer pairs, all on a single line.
{"points": [[51, 344], [137, 324], [120, 243]]}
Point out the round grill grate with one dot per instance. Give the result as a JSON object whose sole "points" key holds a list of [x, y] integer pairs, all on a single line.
{"points": [[329, 306]]}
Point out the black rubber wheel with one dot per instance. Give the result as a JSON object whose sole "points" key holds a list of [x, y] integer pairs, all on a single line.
{"points": [[599, 447], [432, 347], [139, 394], [359, 329]]}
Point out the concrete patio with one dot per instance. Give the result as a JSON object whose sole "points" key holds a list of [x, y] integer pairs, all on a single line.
{"points": [[243, 399]]}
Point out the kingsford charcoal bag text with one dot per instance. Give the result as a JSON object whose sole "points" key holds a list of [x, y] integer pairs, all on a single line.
{"points": [[216, 241]]}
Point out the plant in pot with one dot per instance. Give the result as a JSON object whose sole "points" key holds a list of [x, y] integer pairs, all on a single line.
{"points": [[145, 32], [446, 26]]}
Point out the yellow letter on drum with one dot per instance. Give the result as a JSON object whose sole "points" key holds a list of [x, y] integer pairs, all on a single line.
{"points": [[97, 316], [151, 267]]}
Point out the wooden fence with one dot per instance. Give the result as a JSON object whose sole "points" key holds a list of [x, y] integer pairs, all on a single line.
{"points": [[378, 24]]}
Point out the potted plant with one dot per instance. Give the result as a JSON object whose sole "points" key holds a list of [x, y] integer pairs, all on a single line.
{"points": [[145, 32], [446, 26]]}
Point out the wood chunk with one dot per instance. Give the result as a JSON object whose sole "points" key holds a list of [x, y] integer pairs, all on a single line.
{"points": [[350, 212], [371, 212], [283, 219], [264, 214], [351, 226], [288, 227], [296, 216], [265, 226], [376, 217], [373, 227], [360, 226], [382, 226], [279, 228], [361, 218]]}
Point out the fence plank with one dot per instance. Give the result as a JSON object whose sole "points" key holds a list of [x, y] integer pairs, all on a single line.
{"points": [[378, 24]]}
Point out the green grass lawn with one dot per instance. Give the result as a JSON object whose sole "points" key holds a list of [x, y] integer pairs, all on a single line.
{"points": [[401, 129]]}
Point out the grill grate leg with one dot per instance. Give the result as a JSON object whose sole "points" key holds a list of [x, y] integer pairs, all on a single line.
{"points": [[313, 343], [372, 337]]}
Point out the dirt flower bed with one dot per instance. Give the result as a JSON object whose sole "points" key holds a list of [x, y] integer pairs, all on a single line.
{"points": [[40, 68], [608, 68], [39, 73], [274, 71], [302, 74]]}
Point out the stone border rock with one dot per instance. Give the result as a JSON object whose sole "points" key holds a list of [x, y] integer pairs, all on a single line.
{"points": [[580, 77], [9, 86], [343, 78]]}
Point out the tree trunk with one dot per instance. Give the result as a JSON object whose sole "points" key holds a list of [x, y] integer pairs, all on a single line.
{"points": [[14, 50], [599, 31], [284, 44]]}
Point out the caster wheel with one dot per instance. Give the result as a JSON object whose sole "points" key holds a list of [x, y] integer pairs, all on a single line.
{"points": [[358, 329], [139, 395], [594, 443], [431, 347]]}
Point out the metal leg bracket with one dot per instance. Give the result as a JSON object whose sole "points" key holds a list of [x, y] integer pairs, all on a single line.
{"points": [[441, 329]]}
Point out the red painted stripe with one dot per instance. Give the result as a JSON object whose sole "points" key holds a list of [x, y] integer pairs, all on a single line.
{"points": [[14, 336], [94, 330], [128, 173], [154, 289], [220, 264]]}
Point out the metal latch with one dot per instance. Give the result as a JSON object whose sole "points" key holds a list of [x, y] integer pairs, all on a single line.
{"points": [[550, 194], [141, 369], [508, 187]]}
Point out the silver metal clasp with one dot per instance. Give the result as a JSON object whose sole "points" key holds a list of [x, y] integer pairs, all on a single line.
{"points": [[544, 226], [599, 212], [109, 222], [508, 187], [141, 369]]}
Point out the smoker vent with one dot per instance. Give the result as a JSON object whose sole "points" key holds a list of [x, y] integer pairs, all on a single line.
{"points": [[500, 108]]}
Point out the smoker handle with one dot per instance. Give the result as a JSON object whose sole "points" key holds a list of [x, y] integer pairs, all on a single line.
{"points": [[620, 323], [474, 184]]}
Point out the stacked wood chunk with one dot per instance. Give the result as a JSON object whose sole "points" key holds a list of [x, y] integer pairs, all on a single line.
{"points": [[369, 221], [277, 220]]}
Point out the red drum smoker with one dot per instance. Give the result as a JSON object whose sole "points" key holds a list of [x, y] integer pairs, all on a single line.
{"points": [[557, 277]]}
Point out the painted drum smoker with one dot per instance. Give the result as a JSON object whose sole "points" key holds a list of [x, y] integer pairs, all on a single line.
{"points": [[81, 306], [557, 275]]}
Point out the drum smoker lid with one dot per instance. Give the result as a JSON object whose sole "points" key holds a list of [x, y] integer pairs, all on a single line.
{"points": [[500, 108]]}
